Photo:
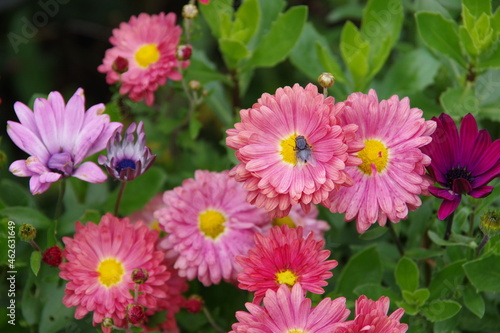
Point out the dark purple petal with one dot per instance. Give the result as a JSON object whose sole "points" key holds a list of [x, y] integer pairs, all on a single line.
{"points": [[461, 186], [481, 192], [468, 134], [447, 207], [442, 193]]}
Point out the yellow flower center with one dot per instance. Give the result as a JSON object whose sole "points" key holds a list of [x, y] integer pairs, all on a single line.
{"points": [[211, 223], [287, 150], [155, 225], [284, 220], [147, 55], [110, 272], [286, 277], [296, 331], [375, 153]]}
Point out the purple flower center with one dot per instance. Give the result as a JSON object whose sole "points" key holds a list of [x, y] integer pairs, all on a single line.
{"points": [[125, 163], [459, 179], [61, 163]]}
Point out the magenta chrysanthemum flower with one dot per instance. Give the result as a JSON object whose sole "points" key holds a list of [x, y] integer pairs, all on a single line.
{"points": [[462, 163], [209, 223], [293, 149], [308, 221], [392, 176], [290, 311], [148, 43], [58, 138], [100, 260], [285, 257], [129, 158], [371, 317]]}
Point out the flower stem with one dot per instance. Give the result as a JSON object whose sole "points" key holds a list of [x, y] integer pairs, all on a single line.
{"points": [[35, 246], [485, 240], [396, 239], [212, 321], [449, 224], [59, 205], [119, 198]]}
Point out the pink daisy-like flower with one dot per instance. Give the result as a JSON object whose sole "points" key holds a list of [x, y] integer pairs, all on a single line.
{"points": [[100, 261], [392, 176], [148, 43], [58, 138], [462, 163], [293, 149], [290, 311], [308, 221], [209, 223], [285, 257], [371, 317]]}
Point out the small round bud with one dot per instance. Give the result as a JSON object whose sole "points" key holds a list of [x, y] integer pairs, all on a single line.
{"points": [[326, 80], [120, 65], [107, 322], [194, 304], [490, 223], [189, 11], [135, 314], [184, 52], [139, 275], [53, 256], [27, 232], [194, 85]]}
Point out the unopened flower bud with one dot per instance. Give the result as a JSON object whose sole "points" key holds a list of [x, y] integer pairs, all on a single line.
{"points": [[139, 275], [194, 85], [135, 314], [189, 11], [53, 256], [184, 52], [490, 223], [107, 322], [326, 80], [27, 232], [194, 303], [120, 65]]}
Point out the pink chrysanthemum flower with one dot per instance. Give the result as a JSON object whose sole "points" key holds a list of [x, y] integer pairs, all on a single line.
{"points": [[147, 213], [285, 257], [58, 138], [392, 176], [371, 317], [293, 149], [148, 43], [308, 221], [290, 311], [462, 163], [209, 223], [100, 260]]}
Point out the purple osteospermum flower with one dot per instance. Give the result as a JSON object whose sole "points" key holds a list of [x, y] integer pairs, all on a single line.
{"points": [[58, 138], [462, 163], [128, 159]]}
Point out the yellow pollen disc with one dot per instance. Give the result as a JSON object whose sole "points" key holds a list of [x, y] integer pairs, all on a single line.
{"points": [[147, 55], [156, 226], [211, 223], [296, 331], [375, 153], [286, 277], [284, 220], [110, 272], [287, 151]]}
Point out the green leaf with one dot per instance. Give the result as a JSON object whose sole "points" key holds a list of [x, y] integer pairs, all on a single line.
{"points": [[194, 127], [277, 44], [14, 194], [246, 21], [355, 52], [352, 276], [233, 50], [477, 7], [416, 298], [375, 291], [26, 215], [484, 273], [269, 12], [495, 21], [492, 60], [218, 16], [204, 70], [329, 62], [374, 233], [35, 261], [474, 301], [440, 35], [55, 316], [445, 282], [407, 274], [441, 310], [459, 101]]}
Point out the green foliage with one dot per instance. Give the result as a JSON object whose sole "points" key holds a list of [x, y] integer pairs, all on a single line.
{"points": [[484, 273]]}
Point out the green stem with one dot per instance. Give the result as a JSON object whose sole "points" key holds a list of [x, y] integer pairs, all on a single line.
{"points": [[485, 240], [395, 238], [449, 224], [212, 321], [59, 205], [120, 194]]}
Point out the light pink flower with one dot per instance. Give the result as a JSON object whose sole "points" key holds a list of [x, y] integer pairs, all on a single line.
{"points": [[58, 138], [293, 149], [392, 176], [308, 221], [209, 223], [148, 43], [285, 257], [288, 310]]}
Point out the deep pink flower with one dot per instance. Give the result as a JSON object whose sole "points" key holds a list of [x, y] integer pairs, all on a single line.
{"points": [[293, 149], [308, 221], [288, 310], [392, 176], [285, 257], [148, 43], [371, 317], [462, 163], [58, 138]]}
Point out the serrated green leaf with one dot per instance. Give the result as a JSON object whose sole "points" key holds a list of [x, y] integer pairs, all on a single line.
{"points": [[484, 273], [440, 35], [441, 310], [459, 101], [474, 301], [416, 298], [407, 274], [355, 52], [35, 261], [246, 21], [445, 282]]}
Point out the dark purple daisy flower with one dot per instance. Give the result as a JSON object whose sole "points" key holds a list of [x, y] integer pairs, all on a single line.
{"points": [[462, 163], [128, 159]]}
